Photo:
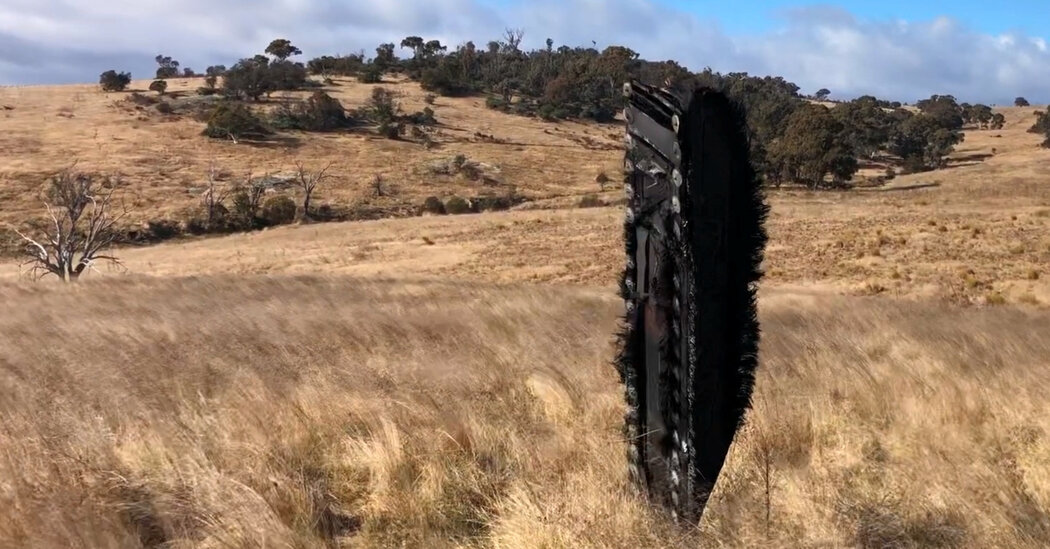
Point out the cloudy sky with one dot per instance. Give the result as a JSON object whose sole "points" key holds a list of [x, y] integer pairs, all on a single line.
{"points": [[897, 49]]}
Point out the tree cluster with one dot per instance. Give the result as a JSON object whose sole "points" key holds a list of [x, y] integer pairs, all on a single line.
{"points": [[167, 67], [251, 78], [320, 112], [1042, 126], [790, 140]]}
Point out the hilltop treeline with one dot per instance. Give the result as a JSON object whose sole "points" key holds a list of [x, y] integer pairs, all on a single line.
{"points": [[793, 138]]}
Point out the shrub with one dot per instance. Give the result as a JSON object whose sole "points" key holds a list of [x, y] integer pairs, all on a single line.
{"points": [[458, 205], [423, 118], [165, 108], [372, 74], [162, 229], [209, 85], [137, 98], [111, 80], [159, 86], [429, 98], [278, 210], [234, 120], [499, 202], [321, 112], [433, 205], [495, 102]]}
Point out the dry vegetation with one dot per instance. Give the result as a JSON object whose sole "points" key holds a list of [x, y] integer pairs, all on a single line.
{"points": [[446, 381], [299, 411], [169, 161]]}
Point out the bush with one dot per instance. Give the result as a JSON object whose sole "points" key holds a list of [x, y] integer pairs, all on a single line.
{"points": [[209, 85], [384, 110], [159, 86], [429, 98], [497, 203], [424, 117], [321, 112], [165, 108], [433, 205], [458, 205], [495, 102], [111, 80], [372, 74], [234, 120], [162, 229], [137, 98], [278, 210], [248, 79]]}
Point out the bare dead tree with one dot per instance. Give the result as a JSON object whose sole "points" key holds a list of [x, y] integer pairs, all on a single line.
{"points": [[253, 191], [213, 197], [307, 182], [82, 227]]}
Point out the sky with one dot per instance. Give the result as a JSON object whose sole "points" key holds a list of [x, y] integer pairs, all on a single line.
{"points": [[895, 49]]}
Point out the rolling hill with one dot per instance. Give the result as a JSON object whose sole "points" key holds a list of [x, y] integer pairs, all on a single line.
{"points": [[445, 381]]}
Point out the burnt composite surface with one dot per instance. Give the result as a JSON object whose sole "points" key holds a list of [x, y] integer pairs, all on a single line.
{"points": [[694, 241]]}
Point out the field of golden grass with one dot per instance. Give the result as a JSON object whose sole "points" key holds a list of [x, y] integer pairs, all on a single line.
{"points": [[446, 381], [300, 411]]}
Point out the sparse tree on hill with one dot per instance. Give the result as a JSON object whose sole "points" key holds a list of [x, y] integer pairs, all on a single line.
{"points": [[998, 121], [159, 86], [111, 80], [1042, 126], [248, 79], [215, 70], [944, 110], [385, 58], [81, 228], [822, 94], [384, 110], [188, 73], [921, 142], [209, 86], [168, 67], [810, 149], [1021, 102], [282, 49], [307, 182]]}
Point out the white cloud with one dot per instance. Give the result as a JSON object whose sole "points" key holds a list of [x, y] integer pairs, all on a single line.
{"points": [[74, 40]]}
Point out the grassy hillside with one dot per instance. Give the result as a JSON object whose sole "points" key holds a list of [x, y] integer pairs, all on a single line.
{"points": [[165, 160], [445, 381]]}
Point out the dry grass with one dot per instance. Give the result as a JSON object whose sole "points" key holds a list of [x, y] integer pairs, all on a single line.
{"points": [[164, 158], [305, 411], [404, 383]]}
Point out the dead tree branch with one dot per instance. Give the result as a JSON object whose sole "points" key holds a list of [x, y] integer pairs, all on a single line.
{"points": [[81, 228], [307, 183]]}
